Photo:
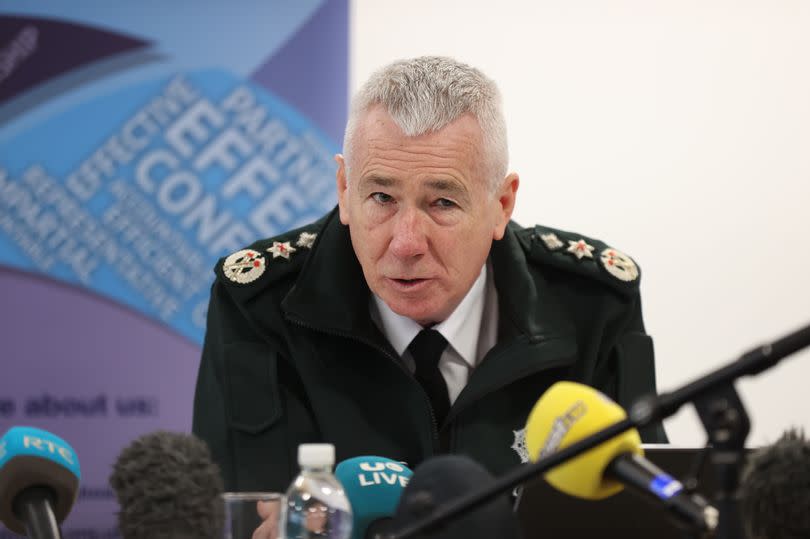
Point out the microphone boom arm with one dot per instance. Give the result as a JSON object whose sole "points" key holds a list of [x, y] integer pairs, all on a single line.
{"points": [[654, 408], [643, 412], [508, 481]]}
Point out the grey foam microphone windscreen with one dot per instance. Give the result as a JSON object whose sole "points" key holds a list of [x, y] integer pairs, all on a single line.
{"points": [[775, 489], [167, 485]]}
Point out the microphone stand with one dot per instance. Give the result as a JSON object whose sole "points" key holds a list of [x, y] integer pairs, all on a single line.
{"points": [[506, 482], [727, 425], [725, 416]]}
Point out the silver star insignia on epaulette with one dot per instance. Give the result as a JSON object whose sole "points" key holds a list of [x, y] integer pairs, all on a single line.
{"points": [[552, 241], [580, 249], [281, 249], [306, 239]]}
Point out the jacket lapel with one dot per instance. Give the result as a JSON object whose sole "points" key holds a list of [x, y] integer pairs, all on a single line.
{"points": [[535, 333]]}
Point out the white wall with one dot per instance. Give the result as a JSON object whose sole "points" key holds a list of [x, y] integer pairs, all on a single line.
{"points": [[679, 132]]}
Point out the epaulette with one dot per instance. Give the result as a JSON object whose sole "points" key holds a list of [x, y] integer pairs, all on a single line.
{"points": [[582, 255], [247, 271]]}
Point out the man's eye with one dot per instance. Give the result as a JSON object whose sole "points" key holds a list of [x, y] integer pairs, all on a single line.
{"points": [[382, 198], [445, 203]]}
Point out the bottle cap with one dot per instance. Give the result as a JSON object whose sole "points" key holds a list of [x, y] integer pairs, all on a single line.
{"points": [[316, 455]]}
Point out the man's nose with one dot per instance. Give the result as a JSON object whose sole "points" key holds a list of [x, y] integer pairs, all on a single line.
{"points": [[409, 237]]}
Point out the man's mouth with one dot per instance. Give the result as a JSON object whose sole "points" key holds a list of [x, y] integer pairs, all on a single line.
{"points": [[408, 282]]}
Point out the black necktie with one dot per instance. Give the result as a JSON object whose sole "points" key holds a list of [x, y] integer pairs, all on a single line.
{"points": [[426, 349]]}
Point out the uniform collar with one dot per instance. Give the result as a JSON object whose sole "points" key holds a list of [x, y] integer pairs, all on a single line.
{"points": [[460, 329]]}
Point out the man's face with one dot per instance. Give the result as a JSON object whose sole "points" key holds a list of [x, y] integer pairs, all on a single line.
{"points": [[420, 212]]}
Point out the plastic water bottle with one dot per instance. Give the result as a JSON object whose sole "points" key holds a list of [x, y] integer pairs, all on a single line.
{"points": [[316, 506]]}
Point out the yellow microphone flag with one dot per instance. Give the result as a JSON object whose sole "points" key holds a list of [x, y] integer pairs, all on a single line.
{"points": [[567, 413]]}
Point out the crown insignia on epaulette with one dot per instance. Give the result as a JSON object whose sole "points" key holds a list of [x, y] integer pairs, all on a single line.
{"points": [[306, 239], [552, 241]]}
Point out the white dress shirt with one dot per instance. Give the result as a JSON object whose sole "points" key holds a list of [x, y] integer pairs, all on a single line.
{"points": [[471, 330]]}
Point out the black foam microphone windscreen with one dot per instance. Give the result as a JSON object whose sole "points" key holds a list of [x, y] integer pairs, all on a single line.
{"points": [[441, 479], [168, 487], [775, 489]]}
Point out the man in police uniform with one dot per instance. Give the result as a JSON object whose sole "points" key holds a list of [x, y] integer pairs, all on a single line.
{"points": [[415, 318]]}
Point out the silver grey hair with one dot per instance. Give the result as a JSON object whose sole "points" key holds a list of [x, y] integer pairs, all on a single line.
{"points": [[425, 94]]}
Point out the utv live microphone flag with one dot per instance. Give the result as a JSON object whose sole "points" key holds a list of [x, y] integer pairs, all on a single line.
{"points": [[374, 486]]}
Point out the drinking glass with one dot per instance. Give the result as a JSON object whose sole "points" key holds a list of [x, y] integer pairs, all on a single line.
{"points": [[242, 514]]}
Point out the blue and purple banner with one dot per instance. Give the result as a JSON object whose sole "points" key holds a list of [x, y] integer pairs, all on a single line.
{"points": [[140, 142]]}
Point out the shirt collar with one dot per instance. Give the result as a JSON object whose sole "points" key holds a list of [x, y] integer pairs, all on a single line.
{"points": [[460, 329]]}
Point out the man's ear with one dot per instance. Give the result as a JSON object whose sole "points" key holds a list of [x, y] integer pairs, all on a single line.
{"points": [[505, 196], [342, 189]]}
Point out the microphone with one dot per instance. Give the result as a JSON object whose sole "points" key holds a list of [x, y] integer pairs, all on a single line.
{"points": [[442, 479], [568, 412], [39, 482], [643, 412], [775, 489], [374, 486], [168, 486]]}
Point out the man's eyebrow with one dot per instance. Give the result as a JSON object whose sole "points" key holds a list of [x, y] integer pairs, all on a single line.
{"points": [[382, 181], [447, 186]]}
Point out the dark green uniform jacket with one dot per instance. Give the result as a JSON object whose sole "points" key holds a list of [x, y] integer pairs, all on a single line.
{"points": [[291, 355]]}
